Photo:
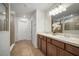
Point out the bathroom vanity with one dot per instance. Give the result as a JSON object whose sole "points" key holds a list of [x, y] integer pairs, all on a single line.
{"points": [[64, 37], [58, 45]]}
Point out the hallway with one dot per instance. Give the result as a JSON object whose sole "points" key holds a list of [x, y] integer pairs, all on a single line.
{"points": [[25, 48], [29, 19]]}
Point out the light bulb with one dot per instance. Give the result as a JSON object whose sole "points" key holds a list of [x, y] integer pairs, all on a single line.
{"points": [[24, 16]]}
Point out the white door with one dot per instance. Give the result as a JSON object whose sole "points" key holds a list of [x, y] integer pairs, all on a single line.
{"points": [[21, 30]]}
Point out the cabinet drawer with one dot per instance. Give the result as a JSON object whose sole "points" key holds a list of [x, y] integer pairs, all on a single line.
{"points": [[62, 52], [74, 50], [58, 43]]}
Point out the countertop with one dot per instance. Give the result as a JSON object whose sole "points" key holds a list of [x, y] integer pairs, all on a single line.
{"points": [[63, 38]]}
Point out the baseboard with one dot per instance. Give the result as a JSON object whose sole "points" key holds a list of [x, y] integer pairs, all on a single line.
{"points": [[12, 47]]}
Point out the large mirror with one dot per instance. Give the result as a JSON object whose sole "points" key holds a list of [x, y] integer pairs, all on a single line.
{"points": [[4, 19], [66, 21], [72, 23]]}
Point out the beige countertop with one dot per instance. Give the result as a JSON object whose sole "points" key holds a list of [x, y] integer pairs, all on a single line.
{"points": [[64, 38]]}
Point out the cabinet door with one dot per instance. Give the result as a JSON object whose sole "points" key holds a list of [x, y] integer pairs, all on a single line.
{"points": [[74, 50], [44, 46], [58, 43], [63, 53], [39, 42], [51, 50]]}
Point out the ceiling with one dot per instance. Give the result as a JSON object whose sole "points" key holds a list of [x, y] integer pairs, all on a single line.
{"points": [[26, 8], [22, 9]]}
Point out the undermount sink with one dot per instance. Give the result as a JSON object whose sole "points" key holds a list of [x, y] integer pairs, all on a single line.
{"points": [[62, 36], [59, 35]]}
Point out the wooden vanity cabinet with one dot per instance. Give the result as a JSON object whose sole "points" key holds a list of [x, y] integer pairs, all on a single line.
{"points": [[58, 43], [44, 48], [38, 41], [51, 50], [62, 52], [72, 49], [39, 37], [60, 48], [42, 43], [53, 47]]}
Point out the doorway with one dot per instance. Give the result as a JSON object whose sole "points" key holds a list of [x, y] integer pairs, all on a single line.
{"points": [[23, 29]]}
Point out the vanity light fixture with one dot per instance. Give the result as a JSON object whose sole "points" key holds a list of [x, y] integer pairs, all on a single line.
{"points": [[24, 16], [24, 19], [59, 9], [3, 13]]}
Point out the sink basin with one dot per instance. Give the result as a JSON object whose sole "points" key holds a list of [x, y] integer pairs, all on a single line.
{"points": [[62, 37], [59, 36]]}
